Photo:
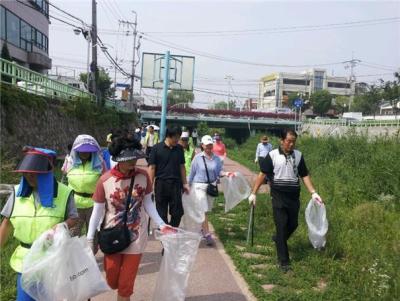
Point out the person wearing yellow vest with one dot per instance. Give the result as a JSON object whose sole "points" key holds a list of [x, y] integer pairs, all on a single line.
{"points": [[150, 140], [188, 151], [36, 205], [86, 168]]}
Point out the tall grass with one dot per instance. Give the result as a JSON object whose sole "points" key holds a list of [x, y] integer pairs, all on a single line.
{"points": [[360, 183]]}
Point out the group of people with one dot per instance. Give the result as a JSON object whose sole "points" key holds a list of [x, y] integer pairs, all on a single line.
{"points": [[96, 192]]}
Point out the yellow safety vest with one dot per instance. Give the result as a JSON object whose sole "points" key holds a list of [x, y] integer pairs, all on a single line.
{"points": [[188, 159], [83, 179], [30, 221], [146, 139]]}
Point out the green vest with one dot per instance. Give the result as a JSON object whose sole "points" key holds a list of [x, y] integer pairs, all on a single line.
{"points": [[188, 159], [146, 139], [83, 179], [29, 222]]}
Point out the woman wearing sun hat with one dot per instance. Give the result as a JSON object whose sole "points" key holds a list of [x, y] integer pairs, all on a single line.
{"points": [[86, 168], [36, 205], [110, 199]]}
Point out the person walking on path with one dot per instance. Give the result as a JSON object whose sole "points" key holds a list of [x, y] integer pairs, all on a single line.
{"points": [[206, 168], [219, 148], [263, 148], [283, 167], [36, 205], [86, 169], [195, 135], [110, 199], [188, 150], [150, 140], [167, 172]]}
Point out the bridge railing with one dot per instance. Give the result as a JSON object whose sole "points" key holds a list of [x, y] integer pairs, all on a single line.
{"points": [[37, 83], [355, 123]]}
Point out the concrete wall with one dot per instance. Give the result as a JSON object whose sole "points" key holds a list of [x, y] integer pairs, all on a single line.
{"points": [[318, 130]]}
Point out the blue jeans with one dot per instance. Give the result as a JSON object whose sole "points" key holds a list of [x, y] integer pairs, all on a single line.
{"points": [[21, 295]]}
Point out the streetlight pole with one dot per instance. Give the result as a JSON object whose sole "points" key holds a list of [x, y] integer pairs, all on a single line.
{"points": [[133, 58]]}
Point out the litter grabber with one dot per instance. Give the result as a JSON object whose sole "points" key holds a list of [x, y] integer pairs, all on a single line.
{"points": [[250, 227]]}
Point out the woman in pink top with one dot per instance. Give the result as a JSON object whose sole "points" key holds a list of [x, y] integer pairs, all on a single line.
{"points": [[109, 201], [219, 148]]}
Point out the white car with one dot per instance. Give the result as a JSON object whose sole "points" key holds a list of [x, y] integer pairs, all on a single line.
{"points": [[31, 88]]}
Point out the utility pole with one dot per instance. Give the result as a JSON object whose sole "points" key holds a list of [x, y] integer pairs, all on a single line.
{"points": [[134, 26], [351, 64], [93, 67]]}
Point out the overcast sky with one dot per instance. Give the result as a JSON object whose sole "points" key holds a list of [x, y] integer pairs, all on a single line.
{"points": [[293, 33]]}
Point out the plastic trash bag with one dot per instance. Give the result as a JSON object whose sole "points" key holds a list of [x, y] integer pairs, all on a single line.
{"points": [[235, 190], [180, 250], [317, 224], [61, 267], [194, 212]]}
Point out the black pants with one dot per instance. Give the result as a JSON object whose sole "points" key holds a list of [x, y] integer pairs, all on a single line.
{"points": [[148, 151], [286, 222], [168, 195], [194, 141]]}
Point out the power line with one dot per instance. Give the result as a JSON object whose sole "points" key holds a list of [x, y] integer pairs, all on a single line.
{"points": [[225, 59]]}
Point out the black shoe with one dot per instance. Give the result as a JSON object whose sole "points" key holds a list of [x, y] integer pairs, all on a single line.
{"points": [[285, 268], [274, 238], [162, 252]]}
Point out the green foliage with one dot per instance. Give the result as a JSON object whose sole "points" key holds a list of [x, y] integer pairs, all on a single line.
{"points": [[202, 129], [223, 105], [321, 101], [176, 96], [360, 182], [104, 83], [341, 103]]}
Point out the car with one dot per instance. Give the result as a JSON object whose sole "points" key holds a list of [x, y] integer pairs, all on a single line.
{"points": [[31, 88]]}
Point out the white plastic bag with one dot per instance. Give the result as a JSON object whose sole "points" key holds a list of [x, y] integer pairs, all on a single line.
{"points": [[194, 212], [61, 268], [180, 250], [317, 224], [235, 190]]}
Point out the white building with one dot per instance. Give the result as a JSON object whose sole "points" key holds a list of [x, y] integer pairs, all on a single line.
{"points": [[275, 88]]}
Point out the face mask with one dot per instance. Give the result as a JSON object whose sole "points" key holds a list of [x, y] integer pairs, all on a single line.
{"points": [[265, 143]]}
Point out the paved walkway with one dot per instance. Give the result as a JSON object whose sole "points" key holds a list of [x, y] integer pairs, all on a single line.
{"points": [[213, 278]]}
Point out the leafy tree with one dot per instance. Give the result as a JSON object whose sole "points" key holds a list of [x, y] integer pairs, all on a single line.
{"points": [[176, 96], [104, 83], [321, 101], [221, 105], [341, 103], [202, 128]]}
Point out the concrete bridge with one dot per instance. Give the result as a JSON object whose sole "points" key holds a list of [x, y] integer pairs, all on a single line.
{"points": [[231, 122]]}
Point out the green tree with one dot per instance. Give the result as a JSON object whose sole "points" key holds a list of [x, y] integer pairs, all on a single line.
{"points": [[202, 128], [176, 96], [104, 83], [221, 105], [341, 103], [321, 101]]}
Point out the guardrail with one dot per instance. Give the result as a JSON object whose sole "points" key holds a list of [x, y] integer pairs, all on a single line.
{"points": [[37, 83], [357, 123]]}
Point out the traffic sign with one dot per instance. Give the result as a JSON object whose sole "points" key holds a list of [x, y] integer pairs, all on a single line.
{"points": [[298, 102]]}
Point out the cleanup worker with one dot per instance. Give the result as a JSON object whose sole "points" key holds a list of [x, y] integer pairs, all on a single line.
{"points": [[36, 205]]}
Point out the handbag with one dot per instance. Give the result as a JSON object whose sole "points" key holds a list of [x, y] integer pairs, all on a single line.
{"points": [[212, 190], [115, 239]]}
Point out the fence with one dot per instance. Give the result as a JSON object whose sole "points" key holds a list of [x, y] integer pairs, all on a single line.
{"points": [[355, 123]]}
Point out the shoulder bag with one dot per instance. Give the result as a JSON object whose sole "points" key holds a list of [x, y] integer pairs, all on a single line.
{"points": [[212, 190], [115, 239]]}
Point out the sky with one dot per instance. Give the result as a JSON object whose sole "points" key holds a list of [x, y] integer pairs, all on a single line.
{"points": [[263, 36]]}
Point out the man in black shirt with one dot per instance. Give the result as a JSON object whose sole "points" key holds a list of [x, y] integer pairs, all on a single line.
{"points": [[168, 174], [283, 168]]}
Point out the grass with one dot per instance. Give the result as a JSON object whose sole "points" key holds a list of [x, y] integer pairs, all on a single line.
{"points": [[360, 182]]}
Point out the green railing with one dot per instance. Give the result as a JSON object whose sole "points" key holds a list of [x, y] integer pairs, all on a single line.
{"points": [[37, 83], [357, 123]]}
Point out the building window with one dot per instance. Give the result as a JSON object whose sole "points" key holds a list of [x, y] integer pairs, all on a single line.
{"points": [[318, 80], [42, 6], [302, 82], [21, 34], [338, 85], [26, 36], [269, 93], [3, 23], [13, 28]]}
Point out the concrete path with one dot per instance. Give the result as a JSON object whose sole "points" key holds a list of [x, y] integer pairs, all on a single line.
{"points": [[213, 278]]}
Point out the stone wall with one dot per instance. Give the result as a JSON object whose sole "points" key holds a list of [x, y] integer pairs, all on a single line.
{"points": [[318, 130]]}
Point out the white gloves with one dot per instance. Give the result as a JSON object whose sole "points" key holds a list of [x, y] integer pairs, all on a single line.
{"points": [[255, 160], [252, 199], [316, 198]]}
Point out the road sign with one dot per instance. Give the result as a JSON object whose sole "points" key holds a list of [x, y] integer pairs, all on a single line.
{"points": [[298, 102]]}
